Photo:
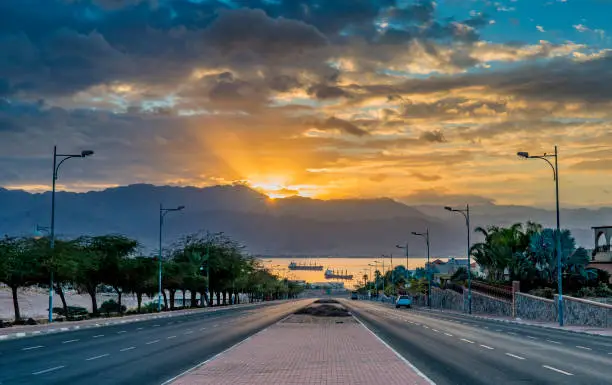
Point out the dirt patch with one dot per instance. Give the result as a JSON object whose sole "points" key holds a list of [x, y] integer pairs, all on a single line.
{"points": [[324, 310]]}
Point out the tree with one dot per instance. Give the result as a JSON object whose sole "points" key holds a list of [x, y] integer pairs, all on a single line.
{"points": [[140, 273], [16, 267]]}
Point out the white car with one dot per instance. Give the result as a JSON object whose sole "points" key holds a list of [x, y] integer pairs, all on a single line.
{"points": [[403, 300]]}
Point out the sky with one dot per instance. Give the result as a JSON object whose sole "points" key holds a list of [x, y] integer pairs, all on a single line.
{"points": [[416, 100]]}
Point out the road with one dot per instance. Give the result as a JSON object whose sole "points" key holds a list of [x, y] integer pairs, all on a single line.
{"points": [[146, 352], [456, 349]]}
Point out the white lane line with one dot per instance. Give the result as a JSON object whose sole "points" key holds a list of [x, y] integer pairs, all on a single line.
{"points": [[583, 347], [448, 334], [126, 349], [171, 337], [532, 337], [48, 370], [437, 331], [156, 326], [96, 357], [215, 325], [513, 333], [98, 336], [515, 356], [558, 370], [122, 331], [554, 342], [33, 347], [426, 327], [486, 327], [202, 329], [468, 341], [188, 332], [487, 347], [152, 342], [138, 328], [70, 341], [498, 330]]}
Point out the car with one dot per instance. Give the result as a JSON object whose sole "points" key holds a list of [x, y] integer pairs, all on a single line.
{"points": [[403, 300], [354, 295]]}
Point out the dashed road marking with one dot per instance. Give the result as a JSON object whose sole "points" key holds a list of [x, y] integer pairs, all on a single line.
{"points": [[554, 342], [122, 331], [126, 349], [515, 356], [426, 327], [70, 341], [171, 337], [532, 337], [437, 331], [202, 329], [558, 370], [139, 328], [48, 370], [97, 357], [188, 332], [33, 347], [487, 347], [152, 342], [156, 326], [448, 334], [468, 341], [583, 347], [98, 336], [513, 333]]}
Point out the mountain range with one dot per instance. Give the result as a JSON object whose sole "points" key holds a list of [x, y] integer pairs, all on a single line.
{"points": [[289, 226]]}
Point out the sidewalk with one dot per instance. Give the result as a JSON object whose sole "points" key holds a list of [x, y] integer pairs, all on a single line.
{"points": [[306, 350], [31, 330], [605, 332]]}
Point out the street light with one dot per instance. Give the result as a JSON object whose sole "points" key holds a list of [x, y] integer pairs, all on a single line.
{"points": [[466, 215], [426, 236], [56, 166], [162, 214], [555, 169], [405, 248]]}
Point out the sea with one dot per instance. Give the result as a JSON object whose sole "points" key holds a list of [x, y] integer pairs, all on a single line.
{"points": [[357, 266]]}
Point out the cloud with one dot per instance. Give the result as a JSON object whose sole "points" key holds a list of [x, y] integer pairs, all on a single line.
{"points": [[342, 125], [433, 136]]}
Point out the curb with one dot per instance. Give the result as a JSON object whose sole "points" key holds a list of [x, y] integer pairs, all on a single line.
{"points": [[33, 333]]}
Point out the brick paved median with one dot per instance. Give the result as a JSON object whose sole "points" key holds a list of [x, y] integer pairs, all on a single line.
{"points": [[306, 350]]}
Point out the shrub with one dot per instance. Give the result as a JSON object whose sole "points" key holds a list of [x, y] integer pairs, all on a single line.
{"points": [[73, 311], [603, 290], [586, 292], [111, 306], [545, 292], [150, 307]]}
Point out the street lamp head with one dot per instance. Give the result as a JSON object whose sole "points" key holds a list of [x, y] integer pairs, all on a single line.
{"points": [[448, 208], [523, 154], [86, 153], [399, 246], [415, 233], [180, 208]]}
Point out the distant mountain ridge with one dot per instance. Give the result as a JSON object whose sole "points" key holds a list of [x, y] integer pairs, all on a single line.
{"points": [[282, 226]]}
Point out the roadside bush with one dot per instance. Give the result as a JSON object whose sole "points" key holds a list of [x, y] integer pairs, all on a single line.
{"points": [[586, 292], [111, 306], [545, 292], [603, 290], [73, 311], [150, 307]]}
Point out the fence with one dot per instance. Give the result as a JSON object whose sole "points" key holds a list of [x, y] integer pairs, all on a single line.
{"points": [[500, 292]]}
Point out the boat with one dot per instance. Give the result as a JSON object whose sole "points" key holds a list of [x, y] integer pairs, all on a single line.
{"points": [[332, 274], [303, 266]]}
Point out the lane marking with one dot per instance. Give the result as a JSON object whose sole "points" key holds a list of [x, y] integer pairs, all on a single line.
{"points": [[188, 332], [448, 334], [426, 327], [152, 342], [48, 370], [437, 331], [171, 337], [33, 347], [513, 333], [558, 370], [69, 341], [515, 356], [138, 328], [126, 349], [487, 347], [98, 336], [468, 341], [156, 326], [498, 330], [215, 325], [533, 338], [583, 347], [122, 331], [554, 342], [96, 357], [202, 329]]}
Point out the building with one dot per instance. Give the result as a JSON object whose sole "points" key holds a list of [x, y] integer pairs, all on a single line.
{"points": [[601, 257], [444, 270]]}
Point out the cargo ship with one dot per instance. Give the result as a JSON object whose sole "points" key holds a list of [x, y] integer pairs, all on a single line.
{"points": [[305, 266], [333, 274]]}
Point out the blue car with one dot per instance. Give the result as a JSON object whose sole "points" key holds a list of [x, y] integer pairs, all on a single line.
{"points": [[403, 300]]}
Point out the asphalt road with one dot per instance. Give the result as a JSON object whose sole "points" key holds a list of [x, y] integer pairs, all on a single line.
{"points": [[146, 352], [456, 349]]}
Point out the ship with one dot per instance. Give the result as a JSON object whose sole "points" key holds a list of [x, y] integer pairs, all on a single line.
{"points": [[303, 266], [332, 274]]}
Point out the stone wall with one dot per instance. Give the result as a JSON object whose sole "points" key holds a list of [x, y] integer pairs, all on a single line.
{"points": [[530, 307], [446, 299], [577, 311], [484, 304]]}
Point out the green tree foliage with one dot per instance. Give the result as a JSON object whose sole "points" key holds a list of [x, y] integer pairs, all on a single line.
{"points": [[17, 269]]}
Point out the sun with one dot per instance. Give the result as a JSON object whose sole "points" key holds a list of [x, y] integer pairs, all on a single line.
{"points": [[277, 187]]}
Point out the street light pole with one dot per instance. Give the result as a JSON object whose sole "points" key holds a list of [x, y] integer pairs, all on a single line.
{"points": [[162, 214], [466, 215], [406, 248], [428, 270], [555, 169], [56, 166]]}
